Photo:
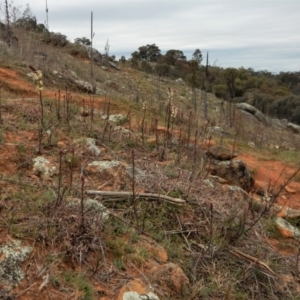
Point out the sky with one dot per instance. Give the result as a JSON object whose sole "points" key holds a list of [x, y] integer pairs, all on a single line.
{"points": [[258, 34]]}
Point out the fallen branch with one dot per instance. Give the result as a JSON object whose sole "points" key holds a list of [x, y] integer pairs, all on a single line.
{"points": [[253, 260], [148, 196]]}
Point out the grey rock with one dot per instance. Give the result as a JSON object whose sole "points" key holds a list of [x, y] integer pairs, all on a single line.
{"points": [[279, 124], [180, 81], [112, 64], [293, 127], [97, 56], [138, 173], [102, 165], [115, 118], [12, 256], [92, 205], [42, 166], [254, 111], [235, 172], [84, 85], [135, 296], [287, 229]]}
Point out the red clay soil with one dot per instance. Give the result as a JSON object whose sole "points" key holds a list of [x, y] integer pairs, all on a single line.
{"points": [[274, 174], [267, 173], [14, 83]]}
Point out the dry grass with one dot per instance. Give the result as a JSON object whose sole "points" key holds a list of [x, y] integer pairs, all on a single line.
{"points": [[79, 249]]}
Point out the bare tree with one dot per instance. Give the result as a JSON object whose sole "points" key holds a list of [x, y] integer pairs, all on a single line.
{"points": [[47, 21], [7, 20], [107, 46], [92, 36]]}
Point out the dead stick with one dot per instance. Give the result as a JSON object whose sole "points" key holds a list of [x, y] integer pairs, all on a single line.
{"points": [[149, 196], [252, 259]]}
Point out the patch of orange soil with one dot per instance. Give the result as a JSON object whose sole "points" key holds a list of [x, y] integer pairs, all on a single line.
{"points": [[274, 174], [14, 83]]}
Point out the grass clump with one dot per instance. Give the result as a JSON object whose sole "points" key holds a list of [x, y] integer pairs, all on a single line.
{"points": [[80, 283]]}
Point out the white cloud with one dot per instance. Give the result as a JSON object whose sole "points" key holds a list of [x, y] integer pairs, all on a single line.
{"points": [[250, 33]]}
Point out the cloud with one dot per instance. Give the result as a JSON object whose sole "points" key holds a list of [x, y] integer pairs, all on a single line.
{"points": [[259, 32]]}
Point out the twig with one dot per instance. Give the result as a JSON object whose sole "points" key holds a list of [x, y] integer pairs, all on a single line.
{"points": [[253, 260], [26, 290], [148, 196], [133, 201]]}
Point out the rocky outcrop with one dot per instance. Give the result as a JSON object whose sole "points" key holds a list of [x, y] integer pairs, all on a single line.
{"points": [[55, 39], [293, 127], [254, 111], [235, 172], [221, 153], [97, 56]]}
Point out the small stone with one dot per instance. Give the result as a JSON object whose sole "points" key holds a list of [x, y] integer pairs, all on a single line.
{"points": [[251, 145], [290, 190], [134, 289], [286, 229], [61, 145]]}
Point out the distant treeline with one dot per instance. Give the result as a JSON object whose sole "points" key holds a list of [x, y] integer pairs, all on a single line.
{"points": [[277, 95]]}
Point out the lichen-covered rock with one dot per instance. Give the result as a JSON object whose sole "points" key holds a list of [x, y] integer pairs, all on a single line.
{"points": [[12, 255], [42, 166], [286, 229], [136, 290], [235, 172], [89, 145], [117, 118], [97, 209], [99, 166], [136, 296]]}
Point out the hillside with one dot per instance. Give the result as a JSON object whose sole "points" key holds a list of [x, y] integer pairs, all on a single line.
{"points": [[113, 186]]}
